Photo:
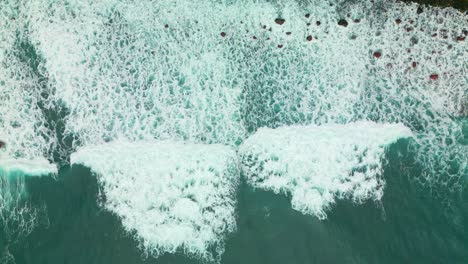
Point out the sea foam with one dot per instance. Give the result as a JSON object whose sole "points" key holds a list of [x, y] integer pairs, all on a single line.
{"points": [[163, 70], [172, 195], [23, 127], [318, 164], [36, 167]]}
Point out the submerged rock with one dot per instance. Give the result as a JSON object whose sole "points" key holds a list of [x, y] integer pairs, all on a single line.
{"points": [[343, 22], [280, 21], [419, 10]]}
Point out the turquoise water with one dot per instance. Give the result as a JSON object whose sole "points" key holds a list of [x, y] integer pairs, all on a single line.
{"points": [[232, 132], [410, 225]]}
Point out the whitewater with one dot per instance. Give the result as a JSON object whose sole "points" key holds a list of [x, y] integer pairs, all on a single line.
{"points": [[172, 104]]}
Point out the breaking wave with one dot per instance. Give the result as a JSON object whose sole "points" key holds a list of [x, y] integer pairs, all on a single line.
{"points": [[175, 196], [318, 164]]}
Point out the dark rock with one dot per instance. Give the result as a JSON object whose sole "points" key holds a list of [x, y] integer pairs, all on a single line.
{"points": [[377, 54], [318, 23], [280, 46], [2, 144], [280, 21], [308, 24], [343, 22], [419, 10], [357, 20], [434, 76], [460, 38], [166, 26], [223, 34], [307, 15], [398, 21], [254, 37], [288, 33], [309, 38], [414, 64]]}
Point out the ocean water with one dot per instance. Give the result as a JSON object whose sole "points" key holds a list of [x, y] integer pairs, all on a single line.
{"points": [[233, 132]]}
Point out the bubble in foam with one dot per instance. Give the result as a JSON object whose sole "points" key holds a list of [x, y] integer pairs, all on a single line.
{"points": [[174, 196], [318, 164]]}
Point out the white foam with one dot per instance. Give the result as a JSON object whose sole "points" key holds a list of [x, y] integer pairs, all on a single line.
{"points": [[22, 126], [36, 167], [122, 73], [121, 76], [174, 196], [318, 164]]}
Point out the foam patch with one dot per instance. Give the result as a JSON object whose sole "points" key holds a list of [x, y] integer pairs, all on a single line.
{"points": [[318, 164], [173, 196], [37, 167], [23, 127], [27, 139], [123, 76], [213, 72]]}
